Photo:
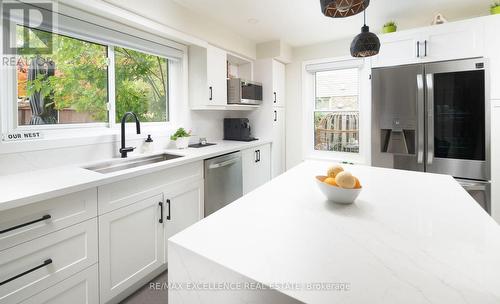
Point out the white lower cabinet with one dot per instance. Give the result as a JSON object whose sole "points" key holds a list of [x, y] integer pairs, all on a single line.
{"points": [[31, 267], [29, 222], [82, 288], [184, 203], [256, 167], [101, 244], [131, 245]]}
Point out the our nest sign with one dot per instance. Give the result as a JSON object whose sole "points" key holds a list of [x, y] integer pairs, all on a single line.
{"points": [[22, 136]]}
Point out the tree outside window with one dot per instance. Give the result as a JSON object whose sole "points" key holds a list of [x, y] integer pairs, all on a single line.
{"points": [[71, 84]]}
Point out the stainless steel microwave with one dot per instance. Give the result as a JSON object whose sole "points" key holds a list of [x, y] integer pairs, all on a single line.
{"points": [[240, 91]]}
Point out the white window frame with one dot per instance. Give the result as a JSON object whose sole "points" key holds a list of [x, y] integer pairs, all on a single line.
{"points": [[91, 133], [309, 68]]}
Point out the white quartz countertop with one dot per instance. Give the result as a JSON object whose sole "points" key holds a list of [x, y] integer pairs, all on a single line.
{"points": [[409, 238], [28, 187]]}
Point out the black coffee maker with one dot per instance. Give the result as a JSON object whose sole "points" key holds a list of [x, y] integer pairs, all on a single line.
{"points": [[238, 129]]}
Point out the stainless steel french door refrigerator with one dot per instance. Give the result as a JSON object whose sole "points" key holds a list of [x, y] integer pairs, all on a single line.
{"points": [[435, 118]]}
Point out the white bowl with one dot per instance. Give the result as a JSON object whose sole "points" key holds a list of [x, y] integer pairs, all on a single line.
{"points": [[337, 194]]}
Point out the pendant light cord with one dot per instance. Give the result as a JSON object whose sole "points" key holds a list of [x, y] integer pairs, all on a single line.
{"points": [[364, 17]]}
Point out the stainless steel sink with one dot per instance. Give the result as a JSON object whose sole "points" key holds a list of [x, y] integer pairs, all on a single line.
{"points": [[127, 163]]}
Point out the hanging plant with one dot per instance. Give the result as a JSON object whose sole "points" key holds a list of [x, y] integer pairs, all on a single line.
{"points": [[495, 8], [390, 27]]}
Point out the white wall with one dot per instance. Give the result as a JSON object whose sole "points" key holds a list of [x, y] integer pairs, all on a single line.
{"points": [[294, 107], [170, 13]]}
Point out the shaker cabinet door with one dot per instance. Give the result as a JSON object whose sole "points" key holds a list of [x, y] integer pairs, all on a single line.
{"points": [[216, 76], [131, 242]]}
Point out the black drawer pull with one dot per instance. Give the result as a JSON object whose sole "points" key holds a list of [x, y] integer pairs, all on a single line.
{"points": [[168, 216], [211, 93], [161, 212], [45, 263], [275, 99], [43, 218]]}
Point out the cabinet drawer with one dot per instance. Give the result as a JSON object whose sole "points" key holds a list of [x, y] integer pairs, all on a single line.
{"points": [[82, 288], [26, 223], [31, 267], [126, 192]]}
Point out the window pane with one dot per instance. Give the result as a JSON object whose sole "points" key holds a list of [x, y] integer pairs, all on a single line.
{"points": [[68, 86], [141, 85], [336, 119]]}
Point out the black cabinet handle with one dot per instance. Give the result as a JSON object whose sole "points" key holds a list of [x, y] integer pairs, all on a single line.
{"points": [[425, 44], [168, 216], [211, 93], [418, 49], [43, 218], [45, 263], [161, 212], [275, 99], [258, 155], [275, 115]]}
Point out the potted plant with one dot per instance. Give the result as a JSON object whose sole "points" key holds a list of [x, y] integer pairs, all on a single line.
{"points": [[390, 27], [495, 8], [181, 138]]}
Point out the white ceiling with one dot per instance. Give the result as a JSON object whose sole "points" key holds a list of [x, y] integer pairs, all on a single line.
{"points": [[300, 22]]}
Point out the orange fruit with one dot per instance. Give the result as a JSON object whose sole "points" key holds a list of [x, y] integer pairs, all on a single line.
{"points": [[334, 170], [358, 184], [331, 181], [321, 178]]}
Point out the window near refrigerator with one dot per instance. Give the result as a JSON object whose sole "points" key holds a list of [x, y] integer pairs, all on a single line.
{"points": [[336, 111]]}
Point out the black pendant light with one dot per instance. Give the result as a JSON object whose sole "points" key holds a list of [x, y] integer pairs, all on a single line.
{"points": [[343, 8], [365, 44]]}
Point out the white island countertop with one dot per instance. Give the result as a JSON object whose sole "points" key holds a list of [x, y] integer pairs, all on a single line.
{"points": [[29, 187], [409, 238]]}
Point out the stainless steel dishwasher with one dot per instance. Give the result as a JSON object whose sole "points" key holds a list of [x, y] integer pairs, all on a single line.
{"points": [[223, 181]]}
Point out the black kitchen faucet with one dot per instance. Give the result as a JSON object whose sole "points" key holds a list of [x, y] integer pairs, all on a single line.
{"points": [[124, 150]]}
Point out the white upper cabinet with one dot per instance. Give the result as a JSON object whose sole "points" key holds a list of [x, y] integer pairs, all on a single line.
{"points": [[455, 40], [278, 84], [207, 77], [217, 78], [208, 69], [492, 52], [397, 49]]}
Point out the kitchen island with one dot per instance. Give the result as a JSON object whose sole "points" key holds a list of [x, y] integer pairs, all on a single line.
{"points": [[410, 237]]}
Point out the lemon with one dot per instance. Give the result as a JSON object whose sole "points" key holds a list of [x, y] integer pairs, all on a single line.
{"points": [[345, 180]]}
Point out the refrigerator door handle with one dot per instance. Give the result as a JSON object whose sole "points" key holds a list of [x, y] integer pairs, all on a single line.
{"points": [[421, 119], [430, 118]]}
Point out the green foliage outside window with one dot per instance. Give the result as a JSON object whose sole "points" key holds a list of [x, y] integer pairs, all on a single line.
{"points": [[80, 79]]}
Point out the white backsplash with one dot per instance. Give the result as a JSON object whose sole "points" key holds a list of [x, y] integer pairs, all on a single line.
{"points": [[207, 124]]}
